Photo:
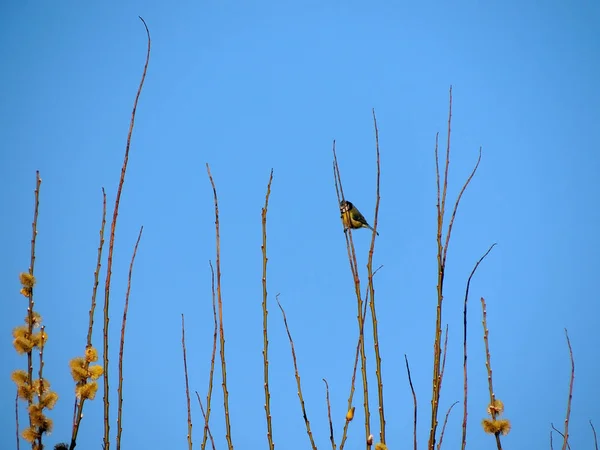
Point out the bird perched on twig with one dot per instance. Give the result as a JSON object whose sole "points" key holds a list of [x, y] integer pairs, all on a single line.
{"points": [[352, 218]]}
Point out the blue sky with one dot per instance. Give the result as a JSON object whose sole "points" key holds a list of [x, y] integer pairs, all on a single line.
{"points": [[252, 86]]}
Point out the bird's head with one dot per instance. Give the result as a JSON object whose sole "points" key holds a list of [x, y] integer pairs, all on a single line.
{"points": [[345, 206]]}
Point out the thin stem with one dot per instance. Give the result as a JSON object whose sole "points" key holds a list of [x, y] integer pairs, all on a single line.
{"points": [[78, 407], [331, 438], [220, 303], [212, 360], [265, 313], [595, 437], [561, 434], [412, 389], [566, 434], [41, 389], [187, 386], [113, 226], [297, 374], [465, 384], [17, 420], [488, 365], [444, 426], [212, 441], [372, 291], [122, 346]]}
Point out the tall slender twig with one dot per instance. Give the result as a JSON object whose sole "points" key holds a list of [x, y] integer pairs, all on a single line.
{"points": [[297, 374], [221, 326], [439, 446], [488, 365], [42, 386], [442, 252], [372, 290], [412, 389], [360, 315], [567, 418], [122, 345], [331, 438], [265, 313], [187, 386], [113, 226], [78, 407], [17, 420], [212, 360], [212, 441], [465, 386]]}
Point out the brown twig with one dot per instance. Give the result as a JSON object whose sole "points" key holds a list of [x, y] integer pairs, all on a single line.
{"points": [[551, 443], [561, 434], [488, 365], [465, 385], [444, 426], [265, 313], [372, 291], [212, 441], [442, 251], [187, 386], [220, 303], [41, 389], [359, 345], [106, 439], [331, 438], [412, 389], [360, 315], [444, 353], [297, 374], [78, 407], [595, 437], [566, 434], [122, 346], [212, 360], [17, 419]]}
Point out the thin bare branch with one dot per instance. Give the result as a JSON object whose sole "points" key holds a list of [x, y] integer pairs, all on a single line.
{"points": [[444, 426], [331, 438], [488, 365], [106, 438], [212, 441], [561, 434], [412, 389], [567, 418], [221, 326], [595, 437], [465, 384], [187, 386], [122, 345], [17, 420], [265, 313], [297, 374], [212, 360]]}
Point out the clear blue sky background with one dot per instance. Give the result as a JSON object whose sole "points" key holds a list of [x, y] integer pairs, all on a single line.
{"points": [[250, 86]]}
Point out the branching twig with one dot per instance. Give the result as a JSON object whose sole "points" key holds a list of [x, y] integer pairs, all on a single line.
{"points": [[560, 432], [465, 386], [187, 386], [297, 374], [566, 434], [122, 346], [412, 389], [220, 303], [265, 313], [328, 415], [106, 439]]}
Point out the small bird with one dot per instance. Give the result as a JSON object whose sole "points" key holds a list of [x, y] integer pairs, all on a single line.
{"points": [[352, 218]]}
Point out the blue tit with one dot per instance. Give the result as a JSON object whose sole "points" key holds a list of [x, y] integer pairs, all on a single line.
{"points": [[352, 218]]}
